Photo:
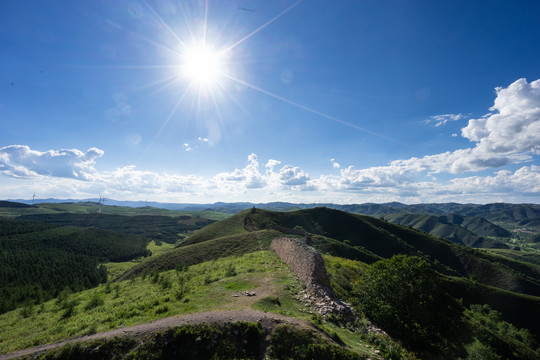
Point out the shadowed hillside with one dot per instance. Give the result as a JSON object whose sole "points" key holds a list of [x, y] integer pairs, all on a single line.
{"points": [[456, 228]]}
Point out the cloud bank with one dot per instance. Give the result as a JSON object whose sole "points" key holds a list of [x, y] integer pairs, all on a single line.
{"points": [[22, 162], [509, 134]]}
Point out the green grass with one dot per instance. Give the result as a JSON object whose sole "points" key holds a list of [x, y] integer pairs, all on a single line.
{"points": [[531, 257], [233, 225], [240, 285], [115, 269], [142, 300], [206, 250]]}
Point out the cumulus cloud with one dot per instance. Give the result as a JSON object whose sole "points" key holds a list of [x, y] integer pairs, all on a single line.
{"points": [[21, 161], [248, 177], [293, 175], [335, 164], [525, 181], [251, 178], [510, 133], [514, 124]]}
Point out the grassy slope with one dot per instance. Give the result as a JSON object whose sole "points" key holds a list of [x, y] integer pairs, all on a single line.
{"points": [[205, 286], [202, 287], [230, 226], [204, 251], [455, 228], [476, 225]]}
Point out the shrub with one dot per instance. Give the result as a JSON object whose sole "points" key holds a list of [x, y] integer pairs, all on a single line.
{"points": [[69, 311], [181, 266], [405, 297], [27, 310], [479, 351], [230, 271], [94, 301]]}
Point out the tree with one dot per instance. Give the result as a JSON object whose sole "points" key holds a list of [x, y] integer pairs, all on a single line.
{"points": [[405, 297]]}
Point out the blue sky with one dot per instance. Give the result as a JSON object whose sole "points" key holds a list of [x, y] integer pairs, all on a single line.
{"points": [[312, 101]]}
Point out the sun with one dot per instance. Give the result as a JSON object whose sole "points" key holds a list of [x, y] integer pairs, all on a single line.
{"points": [[202, 64]]}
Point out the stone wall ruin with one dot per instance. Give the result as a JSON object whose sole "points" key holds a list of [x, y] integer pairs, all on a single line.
{"points": [[308, 265]]}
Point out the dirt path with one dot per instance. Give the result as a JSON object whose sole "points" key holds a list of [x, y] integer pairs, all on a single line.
{"points": [[265, 319]]}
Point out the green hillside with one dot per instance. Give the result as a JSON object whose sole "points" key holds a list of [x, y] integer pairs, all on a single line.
{"points": [[199, 252], [356, 237], [476, 225], [456, 228], [381, 239]]}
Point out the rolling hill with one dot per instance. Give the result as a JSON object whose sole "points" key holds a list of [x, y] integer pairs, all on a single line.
{"points": [[491, 294], [369, 239], [456, 228]]}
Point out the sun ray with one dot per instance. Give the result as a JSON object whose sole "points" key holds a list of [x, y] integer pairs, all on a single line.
{"points": [[166, 48], [176, 106], [229, 48], [160, 19], [313, 111], [205, 22]]}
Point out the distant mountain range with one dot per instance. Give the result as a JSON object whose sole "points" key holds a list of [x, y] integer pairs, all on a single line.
{"points": [[497, 211], [481, 226]]}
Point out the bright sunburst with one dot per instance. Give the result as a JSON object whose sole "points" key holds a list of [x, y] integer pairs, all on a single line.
{"points": [[202, 64]]}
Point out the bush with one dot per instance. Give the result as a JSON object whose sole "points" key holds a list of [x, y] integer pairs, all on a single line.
{"points": [[230, 271], [406, 298], [94, 301], [479, 351], [181, 266]]}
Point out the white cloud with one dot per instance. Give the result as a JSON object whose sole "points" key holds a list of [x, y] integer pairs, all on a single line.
{"points": [[292, 175], [248, 177], [21, 161], [514, 124], [439, 120], [335, 164]]}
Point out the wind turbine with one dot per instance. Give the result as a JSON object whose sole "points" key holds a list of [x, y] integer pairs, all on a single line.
{"points": [[100, 203], [33, 197]]}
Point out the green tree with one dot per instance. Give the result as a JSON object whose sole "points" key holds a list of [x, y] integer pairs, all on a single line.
{"points": [[405, 297]]}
